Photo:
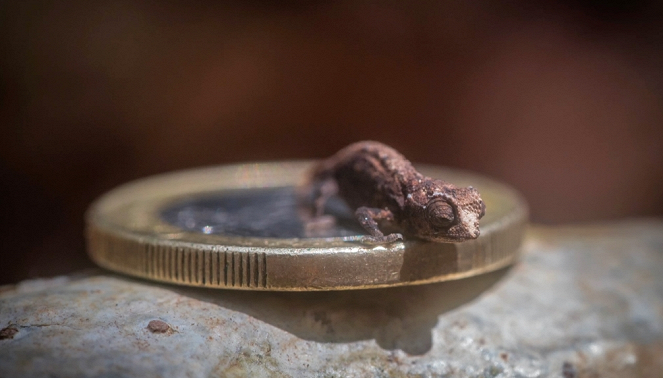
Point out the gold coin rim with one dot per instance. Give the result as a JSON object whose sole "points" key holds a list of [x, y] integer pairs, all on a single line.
{"points": [[125, 234]]}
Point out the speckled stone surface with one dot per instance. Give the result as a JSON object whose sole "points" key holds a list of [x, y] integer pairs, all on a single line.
{"points": [[583, 302]]}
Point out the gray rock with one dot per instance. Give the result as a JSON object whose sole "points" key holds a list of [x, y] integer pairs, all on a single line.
{"points": [[584, 301]]}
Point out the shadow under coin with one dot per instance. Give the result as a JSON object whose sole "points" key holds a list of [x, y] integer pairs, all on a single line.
{"points": [[397, 318]]}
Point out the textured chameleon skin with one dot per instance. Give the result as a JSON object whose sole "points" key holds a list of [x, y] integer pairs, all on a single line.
{"points": [[383, 188]]}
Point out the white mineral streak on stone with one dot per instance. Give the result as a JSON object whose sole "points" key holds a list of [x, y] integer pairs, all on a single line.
{"points": [[588, 300]]}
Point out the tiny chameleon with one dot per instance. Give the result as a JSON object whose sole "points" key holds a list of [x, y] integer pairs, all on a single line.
{"points": [[385, 190]]}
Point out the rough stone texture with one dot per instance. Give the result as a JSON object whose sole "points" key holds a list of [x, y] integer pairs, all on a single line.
{"points": [[584, 302]]}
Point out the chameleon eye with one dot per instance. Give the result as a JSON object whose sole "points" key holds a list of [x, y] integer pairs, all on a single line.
{"points": [[440, 214]]}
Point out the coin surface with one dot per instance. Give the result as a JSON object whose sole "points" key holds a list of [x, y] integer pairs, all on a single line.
{"points": [[238, 227]]}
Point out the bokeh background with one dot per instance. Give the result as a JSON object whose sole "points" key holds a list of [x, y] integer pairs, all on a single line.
{"points": [[561, 99]]}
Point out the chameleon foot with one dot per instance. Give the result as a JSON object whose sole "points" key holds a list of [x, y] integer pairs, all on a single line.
{"points": [[319, 226], [375, 240]]}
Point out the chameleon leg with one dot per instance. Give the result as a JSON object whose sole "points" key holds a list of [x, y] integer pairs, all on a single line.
{"points": [[368, 217], [317, 224], [326, 190]]}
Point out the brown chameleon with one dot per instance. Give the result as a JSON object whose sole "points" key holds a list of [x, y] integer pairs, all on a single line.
{"points": [[384, 189]]}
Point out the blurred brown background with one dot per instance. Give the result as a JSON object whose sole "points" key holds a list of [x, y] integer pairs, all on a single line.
{"points": [[562, 99]]}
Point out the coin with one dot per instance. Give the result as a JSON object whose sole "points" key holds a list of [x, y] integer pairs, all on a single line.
{"points": [[237, 227]]}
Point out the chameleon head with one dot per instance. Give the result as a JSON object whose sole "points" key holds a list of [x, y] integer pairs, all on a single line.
{"points": [[452, 215]]}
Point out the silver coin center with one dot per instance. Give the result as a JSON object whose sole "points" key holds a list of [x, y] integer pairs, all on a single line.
{"points": [[259, 212]]}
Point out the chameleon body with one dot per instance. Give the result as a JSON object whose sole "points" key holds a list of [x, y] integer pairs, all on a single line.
{"points": [[384, 189]]}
